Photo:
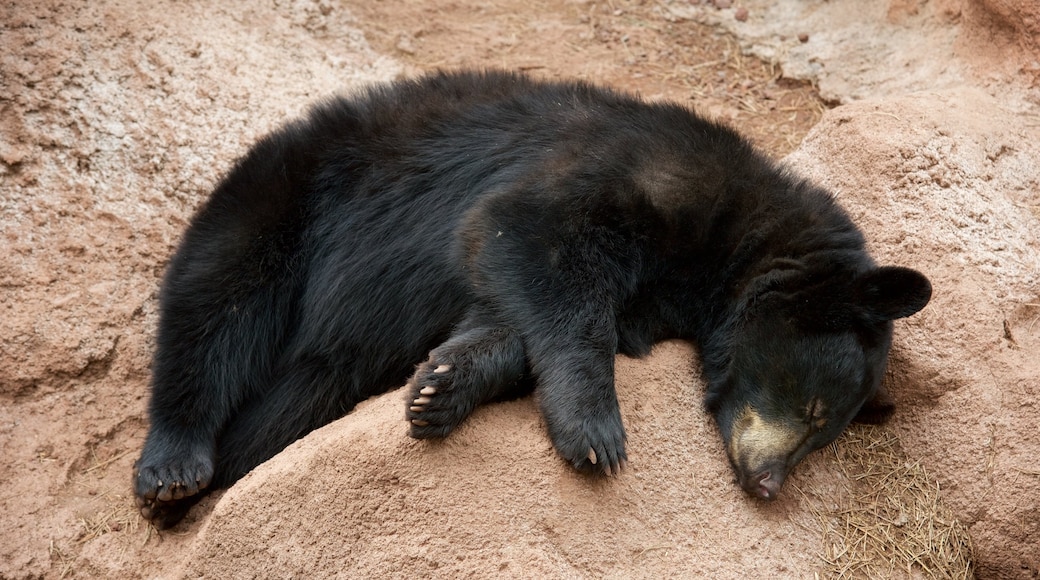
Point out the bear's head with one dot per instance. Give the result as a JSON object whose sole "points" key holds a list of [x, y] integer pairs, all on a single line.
{"points": [[806, 357]]}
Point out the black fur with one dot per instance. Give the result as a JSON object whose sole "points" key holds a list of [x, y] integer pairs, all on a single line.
{"points": [[511, 233]]}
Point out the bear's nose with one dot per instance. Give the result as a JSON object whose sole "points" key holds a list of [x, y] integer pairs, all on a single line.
{"points": [[768, 486]]}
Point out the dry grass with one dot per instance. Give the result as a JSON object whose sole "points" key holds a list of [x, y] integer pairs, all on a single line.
{"points": [[893, 523], [112, 510], [118, 517], [66, 562]]}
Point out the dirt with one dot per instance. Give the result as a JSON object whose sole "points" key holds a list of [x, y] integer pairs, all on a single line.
{"points": [[118, 116]]}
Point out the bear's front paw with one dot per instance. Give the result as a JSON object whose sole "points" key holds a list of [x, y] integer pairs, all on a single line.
{"points": [[592, 444], [436, 403]]}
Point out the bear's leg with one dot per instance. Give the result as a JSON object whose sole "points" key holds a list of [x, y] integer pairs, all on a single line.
{"points": [[214, 352], [482, 362], [558, 280], [197, 386], [226, 308]]}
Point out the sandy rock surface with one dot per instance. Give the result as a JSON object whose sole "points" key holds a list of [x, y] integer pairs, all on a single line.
{"points": [[855, 50], [116, 118], [494, 499]]}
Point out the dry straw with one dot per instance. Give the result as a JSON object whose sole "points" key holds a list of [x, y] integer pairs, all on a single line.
{"points": [[893, 522]]}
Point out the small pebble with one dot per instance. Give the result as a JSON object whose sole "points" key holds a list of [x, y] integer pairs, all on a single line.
{"points": [[741, 14], [405, 45], [803, 37], [723, 3]]}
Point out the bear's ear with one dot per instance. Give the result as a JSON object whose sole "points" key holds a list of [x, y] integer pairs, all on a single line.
{"points": [[892, 292]]}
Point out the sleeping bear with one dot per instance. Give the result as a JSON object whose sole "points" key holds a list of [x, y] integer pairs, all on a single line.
{"points": [[487, 235]]}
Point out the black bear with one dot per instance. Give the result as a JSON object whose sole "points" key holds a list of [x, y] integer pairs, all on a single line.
{"points": [[488, 234]]}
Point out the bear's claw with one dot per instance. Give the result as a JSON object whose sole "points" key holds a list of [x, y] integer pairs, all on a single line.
{"points": [[435, 409]]}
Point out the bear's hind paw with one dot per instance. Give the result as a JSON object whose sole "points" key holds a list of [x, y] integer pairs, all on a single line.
{"points": [[169, 479]]}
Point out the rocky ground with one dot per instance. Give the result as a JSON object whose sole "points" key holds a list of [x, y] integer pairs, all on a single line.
{"points": [[118, 116]]}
